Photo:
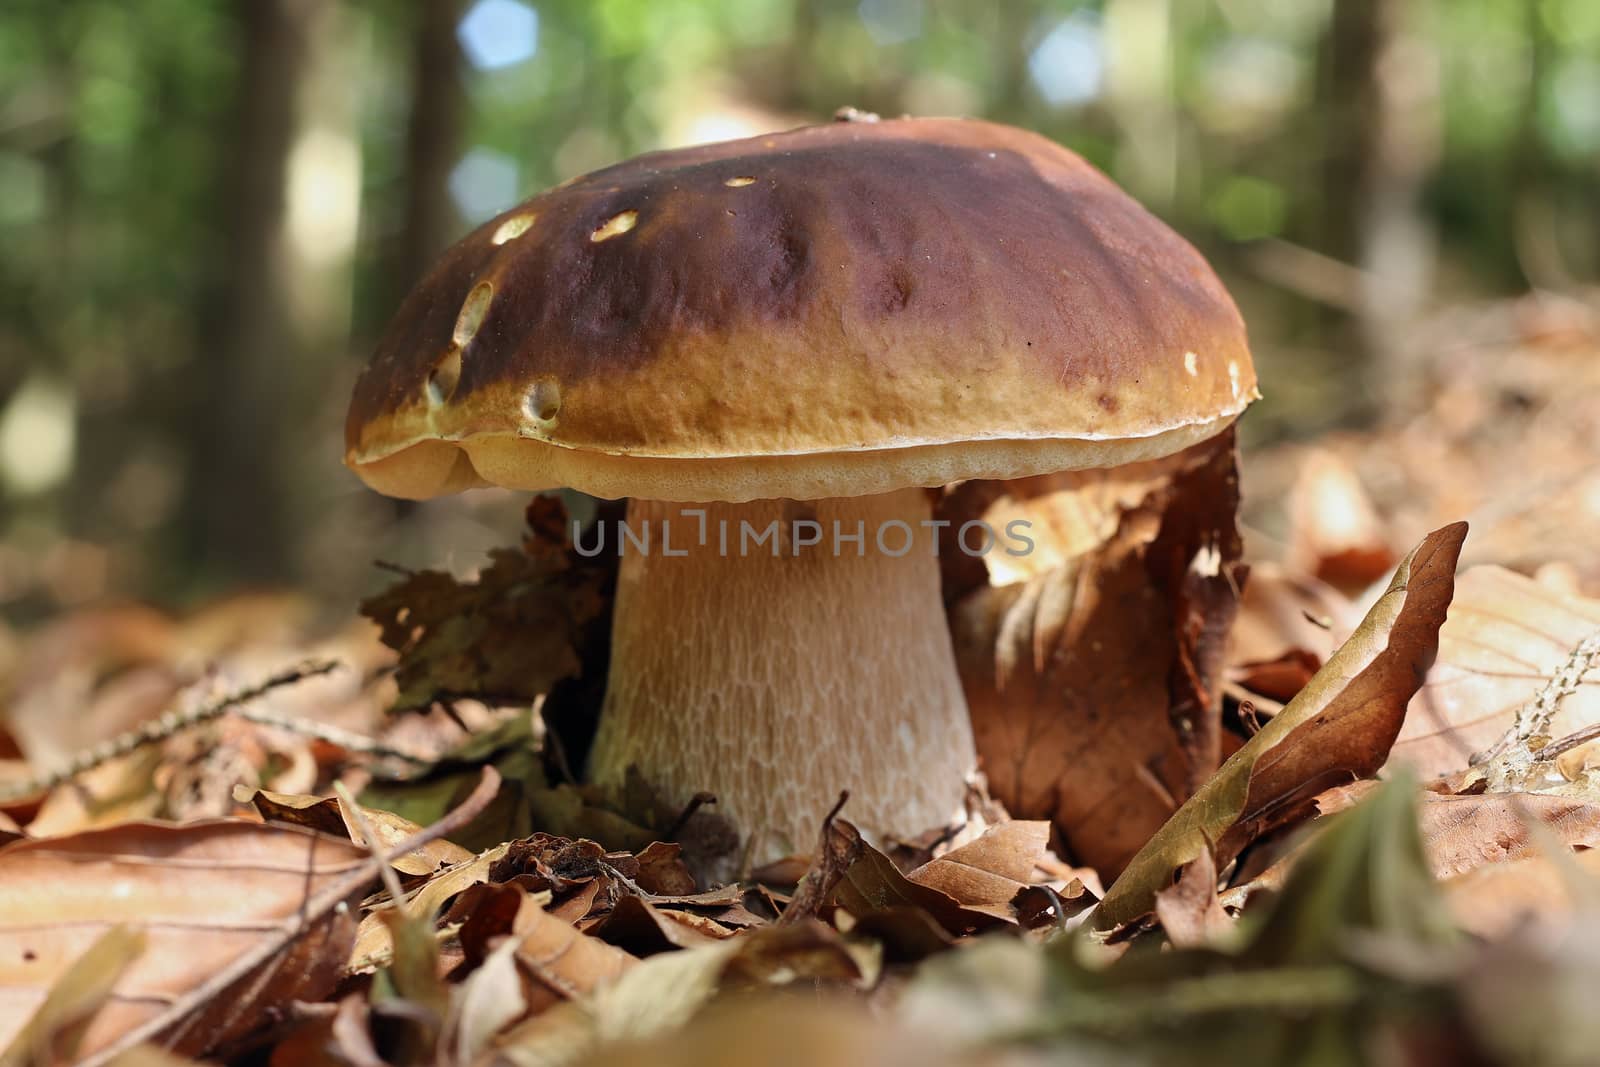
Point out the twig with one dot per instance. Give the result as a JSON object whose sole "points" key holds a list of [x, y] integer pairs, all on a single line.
{"points": [[696, 802], [334, 735], [175, 721], [391, 881], [159, 729], [1570, 742], [1513, 758], [834, 858]]}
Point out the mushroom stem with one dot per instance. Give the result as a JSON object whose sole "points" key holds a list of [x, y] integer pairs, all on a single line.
{"points": [[775, 673]]}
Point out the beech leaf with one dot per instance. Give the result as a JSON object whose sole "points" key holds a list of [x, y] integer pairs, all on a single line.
{"points": [[1338, 728], [204, 895]]}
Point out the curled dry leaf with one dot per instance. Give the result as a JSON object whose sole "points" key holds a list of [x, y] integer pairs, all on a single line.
{"points": [[562, 963], [374, 944], [205, 896], [1093, 685], [1338, 728], [839, 847], [662, 871], [327, 815], [872, 883], [1189, 911], [489, 1000], [642, 929], [627, 900], [1505, 638]]}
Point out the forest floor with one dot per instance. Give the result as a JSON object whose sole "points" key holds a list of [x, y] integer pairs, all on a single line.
{"points": [[1356, 770]]}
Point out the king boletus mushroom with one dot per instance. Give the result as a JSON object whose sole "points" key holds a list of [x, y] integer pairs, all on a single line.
{"points": [[772, 347]]}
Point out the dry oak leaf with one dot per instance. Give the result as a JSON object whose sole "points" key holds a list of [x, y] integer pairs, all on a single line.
{"points": [[205, 896], [1505, 637], [1338, 728], [1094, 686], [506, 636]]}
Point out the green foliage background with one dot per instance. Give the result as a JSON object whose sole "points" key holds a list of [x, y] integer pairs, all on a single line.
{"points": [[208, 209]]}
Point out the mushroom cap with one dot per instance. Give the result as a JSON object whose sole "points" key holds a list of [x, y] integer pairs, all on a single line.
{"points": [[837, 310]]}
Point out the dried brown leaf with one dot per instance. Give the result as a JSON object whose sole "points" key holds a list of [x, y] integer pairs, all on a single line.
{"points": [[506, 636], [1464, 832], [55, 1031], [204, 895], [1340, 727], [327, 815], [564, 963], [662, 871], [641, 929], [1460, 833], [1093, 685], [1189, 911], [873, 883], [990, 870], [374, 945], [487, 1002], [1282, 613], [839, 846]]}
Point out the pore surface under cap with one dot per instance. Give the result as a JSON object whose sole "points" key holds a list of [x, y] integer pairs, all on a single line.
{"points": [[832, 311]]}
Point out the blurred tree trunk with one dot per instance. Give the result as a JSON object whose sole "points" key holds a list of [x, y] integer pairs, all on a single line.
{"points": [[279, 322], [1536, 228], [235, 505], [1380, 87], [433, 144]]}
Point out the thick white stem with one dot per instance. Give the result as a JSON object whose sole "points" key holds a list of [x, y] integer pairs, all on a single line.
{"points": [[777, 680]]}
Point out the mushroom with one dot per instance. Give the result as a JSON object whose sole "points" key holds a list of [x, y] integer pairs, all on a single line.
{"points": [[799, 333]]}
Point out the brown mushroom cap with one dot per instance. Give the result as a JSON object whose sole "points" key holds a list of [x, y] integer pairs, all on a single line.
{"points": [[832, 311]]}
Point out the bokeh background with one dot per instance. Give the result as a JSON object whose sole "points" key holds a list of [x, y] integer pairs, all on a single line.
{"points": [[209, 208]]}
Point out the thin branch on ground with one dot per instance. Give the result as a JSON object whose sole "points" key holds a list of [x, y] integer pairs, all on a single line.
{"points": [[177, 720]]}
